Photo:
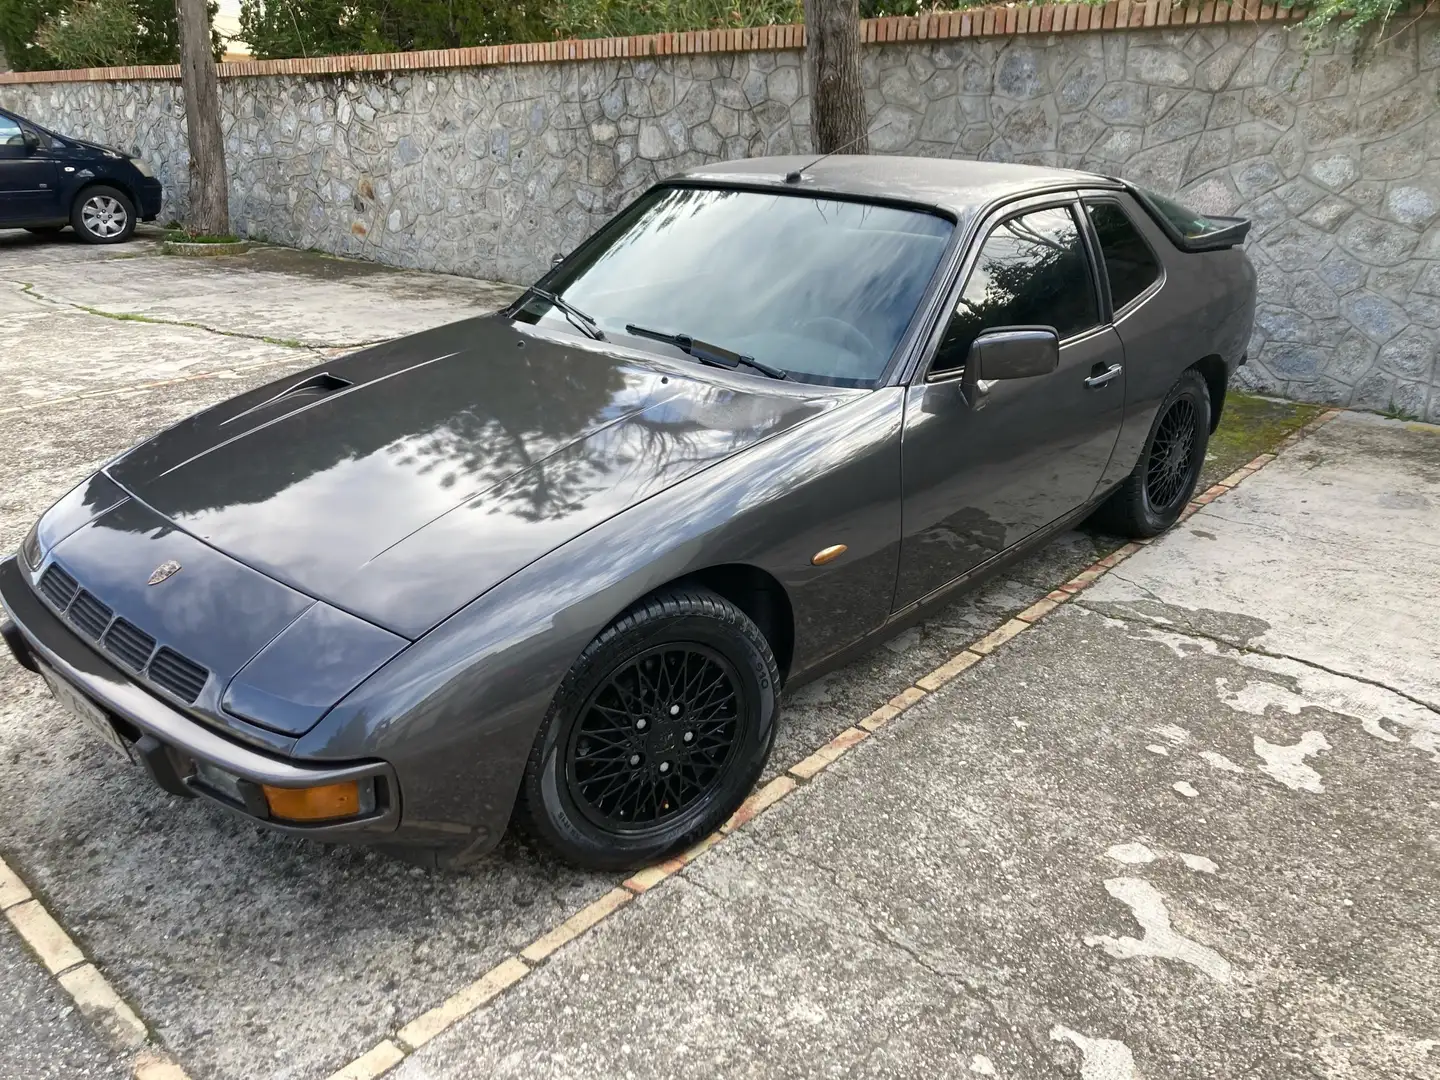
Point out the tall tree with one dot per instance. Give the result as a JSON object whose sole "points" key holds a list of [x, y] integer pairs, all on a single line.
{"points": [[832, 55], [209, 185]]}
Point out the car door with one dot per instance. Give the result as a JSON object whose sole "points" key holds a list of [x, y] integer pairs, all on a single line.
{"points": [[27, 177], [987, 465]]}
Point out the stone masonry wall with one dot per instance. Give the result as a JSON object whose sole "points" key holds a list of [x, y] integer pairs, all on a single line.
{"points": [[489, 170]]}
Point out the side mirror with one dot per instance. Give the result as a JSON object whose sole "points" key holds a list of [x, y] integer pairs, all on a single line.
{"points": [[1013, 352], [31, 140]]}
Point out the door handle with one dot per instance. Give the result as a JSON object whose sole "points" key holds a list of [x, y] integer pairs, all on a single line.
{"points": [[1100, 378]]}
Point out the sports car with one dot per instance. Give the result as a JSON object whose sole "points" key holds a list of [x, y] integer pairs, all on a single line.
{"points": [[557, 565]]}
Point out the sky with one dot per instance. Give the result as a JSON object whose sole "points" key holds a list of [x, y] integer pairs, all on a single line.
{"points": [[227, 21]]}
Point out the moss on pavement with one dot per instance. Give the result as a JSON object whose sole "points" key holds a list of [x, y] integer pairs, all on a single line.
{"points": [[1250, 426]]}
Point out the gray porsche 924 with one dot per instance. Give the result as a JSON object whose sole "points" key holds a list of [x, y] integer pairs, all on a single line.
{"points": [[557, 563]]}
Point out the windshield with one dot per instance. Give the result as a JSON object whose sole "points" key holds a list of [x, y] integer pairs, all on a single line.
{"points": [[820, 288]]}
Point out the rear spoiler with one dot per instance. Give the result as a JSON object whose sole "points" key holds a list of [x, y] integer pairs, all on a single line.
{"points": [[1228, 232]]}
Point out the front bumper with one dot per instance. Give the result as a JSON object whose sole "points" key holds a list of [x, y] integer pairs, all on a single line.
{"points": [[151, 195], [168, 742]]}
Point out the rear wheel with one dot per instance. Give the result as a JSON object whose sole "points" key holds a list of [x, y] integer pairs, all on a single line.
{"points": [[655, 736], [103, 215], [1153, 495]]}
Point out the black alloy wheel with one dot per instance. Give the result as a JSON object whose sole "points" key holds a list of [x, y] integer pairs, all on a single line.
{"points": [[655, 737], [1152, 497], [657, 733], [1168, 467]]}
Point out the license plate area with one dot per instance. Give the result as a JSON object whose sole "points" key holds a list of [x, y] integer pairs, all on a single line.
{"points": [[76, 703]]}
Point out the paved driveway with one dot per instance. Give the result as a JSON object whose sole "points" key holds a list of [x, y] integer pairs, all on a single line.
{"points": [[1004, 877]]}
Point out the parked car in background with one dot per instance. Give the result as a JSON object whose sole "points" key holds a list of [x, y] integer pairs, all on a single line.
{"points": [[48, 181], [559, 562]]}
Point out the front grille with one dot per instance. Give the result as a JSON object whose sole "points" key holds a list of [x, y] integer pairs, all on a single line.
{"points": [[122, 639], [131, 645], [89, 614], [58, 586], [182, 677]]}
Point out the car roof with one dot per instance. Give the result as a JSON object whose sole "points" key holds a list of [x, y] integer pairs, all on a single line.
{"points": [[957, 186]]}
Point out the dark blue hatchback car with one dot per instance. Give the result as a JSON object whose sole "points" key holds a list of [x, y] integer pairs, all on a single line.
{"points": [[48, 181]]}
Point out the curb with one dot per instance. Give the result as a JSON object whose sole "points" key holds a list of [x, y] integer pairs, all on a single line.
{"points": [[180, 247], [99, 1003]]}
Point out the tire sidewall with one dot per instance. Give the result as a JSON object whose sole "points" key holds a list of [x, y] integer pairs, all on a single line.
{"points": [[77, 216], [1191, 385], [553, 810]]}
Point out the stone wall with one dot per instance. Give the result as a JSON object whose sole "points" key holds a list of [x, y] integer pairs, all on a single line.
{"points": [[489, 170]]}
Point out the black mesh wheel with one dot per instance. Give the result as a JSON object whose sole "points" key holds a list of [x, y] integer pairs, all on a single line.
{"points": [[656, 735], [1168, 469], [1151, 498]]}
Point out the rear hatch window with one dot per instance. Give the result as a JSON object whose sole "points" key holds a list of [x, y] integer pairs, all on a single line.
{"points": [[1189, 229]]}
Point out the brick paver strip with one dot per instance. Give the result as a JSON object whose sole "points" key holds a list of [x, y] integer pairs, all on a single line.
{"points": [[576, 925], [1068, 18], [12, 889], [425, 1027]]}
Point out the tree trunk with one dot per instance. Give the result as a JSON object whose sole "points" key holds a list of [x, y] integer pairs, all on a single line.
{"points": [[209, 186], [832, 55]]}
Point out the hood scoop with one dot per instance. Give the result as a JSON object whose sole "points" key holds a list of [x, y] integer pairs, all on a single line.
{"points": [[311, 389]]}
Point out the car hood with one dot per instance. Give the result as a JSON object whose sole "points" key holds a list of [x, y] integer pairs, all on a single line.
{"points": [[401, 482]]}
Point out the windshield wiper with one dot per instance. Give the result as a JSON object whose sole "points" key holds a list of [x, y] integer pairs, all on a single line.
{"points": [[705, 352], [577, 318]]}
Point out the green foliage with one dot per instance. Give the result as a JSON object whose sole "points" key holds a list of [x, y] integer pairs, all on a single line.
{"points": [[92, 33], [40, 34], [283, 28], [20, 20], [1362, 23], [621, 18]]}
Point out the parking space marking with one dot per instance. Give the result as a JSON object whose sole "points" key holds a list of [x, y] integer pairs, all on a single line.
{"points": [[389, 1052]]}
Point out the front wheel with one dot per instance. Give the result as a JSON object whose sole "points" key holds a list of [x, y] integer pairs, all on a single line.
{"points": [[1152, 496], [103, 215], [655, 736]]}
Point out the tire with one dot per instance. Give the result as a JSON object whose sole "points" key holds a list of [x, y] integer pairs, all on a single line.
{"points": [[675, 702], [44, 230], [103, 215], [1153, 495]]}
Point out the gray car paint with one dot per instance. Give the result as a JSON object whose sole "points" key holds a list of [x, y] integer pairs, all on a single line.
{"points": [[774, 473]]}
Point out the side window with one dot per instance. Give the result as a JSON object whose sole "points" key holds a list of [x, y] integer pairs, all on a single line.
{"points": [[1129, 262], [1032, 271], [10, 133]]}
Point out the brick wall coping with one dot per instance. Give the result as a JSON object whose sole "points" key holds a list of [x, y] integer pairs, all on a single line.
{"points": [[975, 22]]}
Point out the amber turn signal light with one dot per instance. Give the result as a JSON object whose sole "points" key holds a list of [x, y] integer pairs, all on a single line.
{"points": [[323, 803]]}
